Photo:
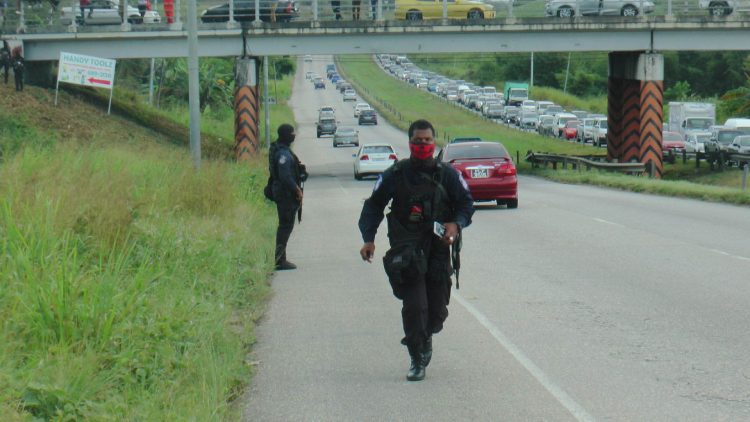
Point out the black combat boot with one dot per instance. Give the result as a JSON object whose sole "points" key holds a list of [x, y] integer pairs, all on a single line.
{"points": [[416, 371], [427, 351]]}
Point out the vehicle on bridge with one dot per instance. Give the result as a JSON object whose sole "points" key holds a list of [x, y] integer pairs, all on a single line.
{"points": [[487, 169], [567, 8], [417, 10], [244, 11], [719, 8], [740, 145], [106, 12]]}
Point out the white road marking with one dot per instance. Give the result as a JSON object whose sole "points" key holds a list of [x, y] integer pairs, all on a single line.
{"points": [[562, 397], [720, 252], [601, 220]]}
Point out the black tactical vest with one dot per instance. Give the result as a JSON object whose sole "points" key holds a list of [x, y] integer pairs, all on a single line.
{"points": [[420, 198]]}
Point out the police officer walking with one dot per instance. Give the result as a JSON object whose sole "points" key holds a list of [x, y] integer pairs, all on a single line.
{"points": [[423, 192], [288, 175]]}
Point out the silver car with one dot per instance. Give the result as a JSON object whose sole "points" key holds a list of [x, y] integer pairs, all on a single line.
{"points": [[346, 136], [569, 8]]}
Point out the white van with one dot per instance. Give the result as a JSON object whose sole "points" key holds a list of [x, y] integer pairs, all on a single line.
{"points": [[737, 122]]}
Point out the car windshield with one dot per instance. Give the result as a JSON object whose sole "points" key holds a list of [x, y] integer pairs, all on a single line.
{"points": [[327, 121], [702, 138], [698, 123], [671, 137], [378, 149], [745, 142], [603, 124], [345, 131], [565, 120], [572, 124], [367, 112], [476, 151], [727, 136]]}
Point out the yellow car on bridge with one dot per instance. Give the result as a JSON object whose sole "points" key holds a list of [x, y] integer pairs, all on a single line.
{"points": [[417, 10]]}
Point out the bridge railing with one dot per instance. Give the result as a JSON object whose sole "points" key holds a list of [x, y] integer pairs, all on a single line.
{"points": [[44, 16]]}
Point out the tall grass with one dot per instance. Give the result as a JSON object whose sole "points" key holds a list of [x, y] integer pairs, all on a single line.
{"points": [[125, 276]]}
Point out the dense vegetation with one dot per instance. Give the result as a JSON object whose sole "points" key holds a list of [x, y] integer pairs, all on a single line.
{"points": [[130, 282], [721, 76]]}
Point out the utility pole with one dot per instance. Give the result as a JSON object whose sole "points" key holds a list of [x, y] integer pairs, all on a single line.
{"points": [[531, 83], [567, 71], [193, 87], [151, 84], [266, 105]]}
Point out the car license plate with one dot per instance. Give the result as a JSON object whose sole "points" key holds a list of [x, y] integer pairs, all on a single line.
{"points": [[479, 173]]}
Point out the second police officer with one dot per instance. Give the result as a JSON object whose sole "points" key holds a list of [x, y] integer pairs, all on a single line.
{"points": [[423, 192], [288, 175]]}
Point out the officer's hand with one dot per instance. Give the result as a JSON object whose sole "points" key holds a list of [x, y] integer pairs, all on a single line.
{"points": [[451, 233], [367, 251]]}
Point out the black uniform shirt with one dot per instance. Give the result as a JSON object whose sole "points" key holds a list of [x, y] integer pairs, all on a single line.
{"points": [[286, 168], [385, 188]]}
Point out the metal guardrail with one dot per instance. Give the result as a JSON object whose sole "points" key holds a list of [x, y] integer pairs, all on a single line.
{"points": [[587, 162]]}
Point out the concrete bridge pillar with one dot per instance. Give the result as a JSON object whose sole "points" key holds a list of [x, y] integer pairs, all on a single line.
{"points": [[246, 106], [635, 109]]}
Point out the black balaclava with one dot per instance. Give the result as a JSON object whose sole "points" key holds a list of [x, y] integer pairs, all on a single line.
{"points": [[286, 133]]}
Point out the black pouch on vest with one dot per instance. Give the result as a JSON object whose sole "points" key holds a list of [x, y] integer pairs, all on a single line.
{"points": [[268, 190], [405, 262]]}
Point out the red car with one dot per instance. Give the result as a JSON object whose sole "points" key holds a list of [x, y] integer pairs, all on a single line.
{"points": [[672, 141], [487, 168], [570, 131]]}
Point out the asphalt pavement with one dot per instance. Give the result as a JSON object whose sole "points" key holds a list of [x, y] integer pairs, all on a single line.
{"points": [[582, 304]]}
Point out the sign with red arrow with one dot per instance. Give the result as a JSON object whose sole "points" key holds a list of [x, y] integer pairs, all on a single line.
{"points": [[86, 70]]}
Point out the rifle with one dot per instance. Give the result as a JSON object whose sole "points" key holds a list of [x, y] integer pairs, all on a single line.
{"points": [[302, 178], [456, 255], [299, 210]]}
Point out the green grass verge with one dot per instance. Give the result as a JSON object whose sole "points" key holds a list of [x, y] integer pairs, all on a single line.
{"points": [[400, 103], [130, 282]]}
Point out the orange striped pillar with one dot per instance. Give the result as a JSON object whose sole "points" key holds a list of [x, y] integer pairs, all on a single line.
{"points": [[631, 122], [652, 111], [246, 107], [635, 109]]}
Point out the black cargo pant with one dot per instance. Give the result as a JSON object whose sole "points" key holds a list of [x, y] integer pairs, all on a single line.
{"points": [[425, 299], [18, 75], [287, 211]]}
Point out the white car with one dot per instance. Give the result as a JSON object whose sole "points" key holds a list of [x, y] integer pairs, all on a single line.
{"points": [[696, 141], [350, 95], [359, 107], [373, 159], [106, 12]]}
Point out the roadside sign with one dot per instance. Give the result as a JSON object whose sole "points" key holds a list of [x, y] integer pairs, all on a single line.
{"points": [[86, 70]]}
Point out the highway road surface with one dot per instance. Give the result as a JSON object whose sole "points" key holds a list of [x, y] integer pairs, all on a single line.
{"points": [[582, 304]]}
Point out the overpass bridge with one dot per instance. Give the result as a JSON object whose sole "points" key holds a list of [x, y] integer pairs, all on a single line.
{"points": [[635, 88]]}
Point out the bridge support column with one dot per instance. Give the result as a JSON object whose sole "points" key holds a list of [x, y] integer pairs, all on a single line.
{"points": [[246, 106], [635, 108]]}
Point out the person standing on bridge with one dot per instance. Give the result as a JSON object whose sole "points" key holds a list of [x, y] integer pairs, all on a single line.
{"points": [[336, 5], [288, 175], [423, 192], [356, 6]]}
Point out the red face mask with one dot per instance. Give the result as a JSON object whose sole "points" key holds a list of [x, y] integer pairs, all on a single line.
{"points": [[421, 151]]}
